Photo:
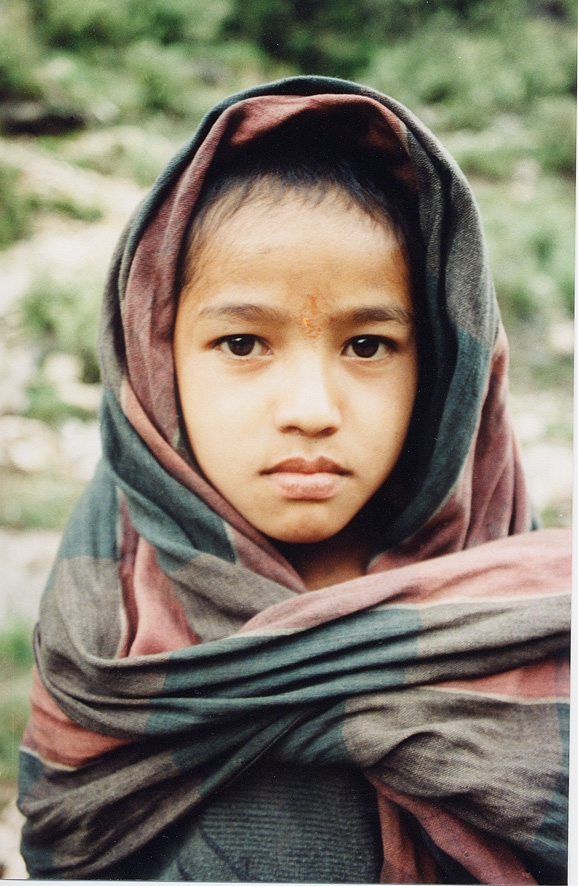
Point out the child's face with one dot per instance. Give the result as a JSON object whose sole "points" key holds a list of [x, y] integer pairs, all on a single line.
{"points": [[296, 361]]}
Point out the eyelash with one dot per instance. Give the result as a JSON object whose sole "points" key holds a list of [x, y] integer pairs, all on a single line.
{"points": [[377, 341], [247, 340]]}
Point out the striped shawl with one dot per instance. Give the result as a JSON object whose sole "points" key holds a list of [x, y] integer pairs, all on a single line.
{"points": [[176, 646]]}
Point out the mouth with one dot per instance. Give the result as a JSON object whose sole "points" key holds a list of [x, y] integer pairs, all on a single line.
{"points": [[298, 465], [302, 479]]}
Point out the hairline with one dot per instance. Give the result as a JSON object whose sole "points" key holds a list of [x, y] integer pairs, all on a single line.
{"points": [[259, 192]]}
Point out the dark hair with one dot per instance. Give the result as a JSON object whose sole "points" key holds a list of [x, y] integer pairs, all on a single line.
{"points": [[318, 157]]}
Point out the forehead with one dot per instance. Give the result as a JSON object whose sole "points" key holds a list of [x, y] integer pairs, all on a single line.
{"points": [[309, 247]]}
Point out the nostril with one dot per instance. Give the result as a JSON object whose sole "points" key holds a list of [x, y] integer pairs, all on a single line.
{"points": [[311, 432], [306, 398]]}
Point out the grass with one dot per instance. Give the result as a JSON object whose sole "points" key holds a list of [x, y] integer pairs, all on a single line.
{"points": [[128, 151], [16, 209], [15, 677], [558, 515], [41, 500], [63, 317], [529, 223], [45, 404], [66, 206], [20, 206]]}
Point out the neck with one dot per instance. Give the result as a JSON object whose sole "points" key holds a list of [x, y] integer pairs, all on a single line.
{"points": [[340, 558]]}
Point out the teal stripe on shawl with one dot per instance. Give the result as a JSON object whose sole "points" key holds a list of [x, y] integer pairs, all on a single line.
{"points": [[368, 651], [248, 676], [550, 844], [30, 772], [379, 638], [92, 528], [452, 438], [178, 524]]}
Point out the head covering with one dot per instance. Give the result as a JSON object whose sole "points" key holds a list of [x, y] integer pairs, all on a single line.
{"points": [[176, 646]]}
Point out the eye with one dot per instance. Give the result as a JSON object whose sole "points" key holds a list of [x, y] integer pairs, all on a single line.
{"points": [[242, 346], [368, 347]]}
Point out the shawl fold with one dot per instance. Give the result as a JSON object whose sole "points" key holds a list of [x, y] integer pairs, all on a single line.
{"points": [[176, 647]]}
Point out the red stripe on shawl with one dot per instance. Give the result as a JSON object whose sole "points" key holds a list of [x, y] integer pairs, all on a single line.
{"points": [[487, 858], [404, 859], [156, 621], [545, 681], [56, 738], [254, 116], [531, 564]]}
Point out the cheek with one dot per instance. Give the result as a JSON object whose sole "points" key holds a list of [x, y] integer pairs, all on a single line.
{"points": [[221, 424], [383, 418]]}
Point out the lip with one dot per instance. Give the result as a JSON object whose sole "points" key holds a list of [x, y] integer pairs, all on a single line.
{"points": [[301, 479], [299, 465]]}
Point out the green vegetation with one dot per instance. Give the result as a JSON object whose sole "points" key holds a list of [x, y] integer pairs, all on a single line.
{"points": [[15, 676], [63, 317], [125, 61], [16, 209], [19, 206], [43, 501], [15, 650]]}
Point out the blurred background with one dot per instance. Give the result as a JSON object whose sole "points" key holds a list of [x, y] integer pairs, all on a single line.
{"points": [[96, 96]]}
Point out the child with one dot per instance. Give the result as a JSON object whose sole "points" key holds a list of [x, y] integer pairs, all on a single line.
{"points": [[299, 629]]}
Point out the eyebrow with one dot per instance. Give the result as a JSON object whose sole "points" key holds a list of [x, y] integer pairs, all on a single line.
{"points": [[244, 312], [379, 314], [255, 313]]}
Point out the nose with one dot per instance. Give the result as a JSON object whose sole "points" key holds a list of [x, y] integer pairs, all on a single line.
{"points": [[307, 398]]}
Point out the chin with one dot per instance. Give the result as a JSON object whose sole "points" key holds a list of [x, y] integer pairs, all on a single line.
{"points": [[305, 534]]}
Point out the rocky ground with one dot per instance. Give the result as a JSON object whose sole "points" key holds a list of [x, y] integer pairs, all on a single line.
{"points": [[28, 448], [12, 865]]}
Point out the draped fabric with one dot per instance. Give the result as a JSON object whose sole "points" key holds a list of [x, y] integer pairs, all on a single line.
{"points": [[176, 647]]}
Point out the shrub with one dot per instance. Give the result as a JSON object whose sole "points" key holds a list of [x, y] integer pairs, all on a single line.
{"points": [[471, 76], [15, 207], [64, 317], [554, 122], [15, 646], [19, 53], [530, 232], [67, 24], [318, 36], [15, 677]]}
